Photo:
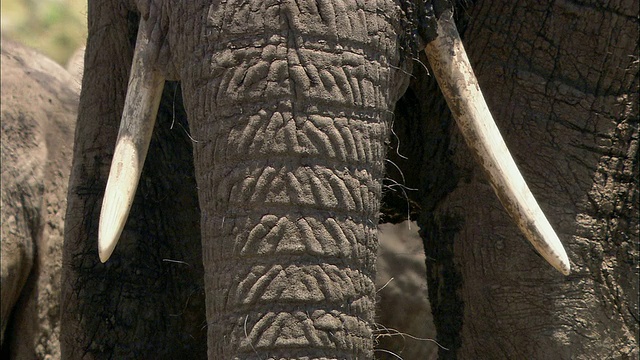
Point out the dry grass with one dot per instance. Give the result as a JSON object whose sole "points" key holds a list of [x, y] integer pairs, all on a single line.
{"points": [[54, 27]]}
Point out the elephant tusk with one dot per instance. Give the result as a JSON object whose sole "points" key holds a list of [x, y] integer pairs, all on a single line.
{"points": [[138, 118], [460, 87]]}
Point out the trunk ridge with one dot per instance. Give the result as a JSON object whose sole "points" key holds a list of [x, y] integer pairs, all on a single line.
{"points": [[291, 125]]}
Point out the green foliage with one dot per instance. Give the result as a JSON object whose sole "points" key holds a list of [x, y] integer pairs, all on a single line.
{"points": [[55, 27]]}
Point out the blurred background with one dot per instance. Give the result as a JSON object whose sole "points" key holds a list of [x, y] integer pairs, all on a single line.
{"points": [[54, 27]]}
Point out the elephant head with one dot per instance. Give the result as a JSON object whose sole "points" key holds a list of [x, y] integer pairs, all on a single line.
{"points": [[289, 104]]}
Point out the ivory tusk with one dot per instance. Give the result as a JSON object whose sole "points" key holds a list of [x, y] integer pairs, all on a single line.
{"points": [[138, 118], [460, 87]]}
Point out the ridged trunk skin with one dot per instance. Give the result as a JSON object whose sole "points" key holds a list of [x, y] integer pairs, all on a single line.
{"points": [[290, 104]]}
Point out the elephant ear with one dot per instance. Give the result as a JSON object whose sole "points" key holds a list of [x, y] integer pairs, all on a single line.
{"points": [[460, 87], [138, 118]]}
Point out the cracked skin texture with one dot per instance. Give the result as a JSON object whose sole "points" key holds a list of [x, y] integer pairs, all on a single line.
{"points": [[578, 147], [289, 120], [529, 313], [562, 83], [39, 103], [289, 164]]}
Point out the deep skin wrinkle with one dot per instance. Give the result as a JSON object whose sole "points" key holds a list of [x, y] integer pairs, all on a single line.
{"points": [[291, 118]]}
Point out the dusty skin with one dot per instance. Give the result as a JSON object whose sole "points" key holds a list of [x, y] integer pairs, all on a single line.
{"points": [[22, 69], [39, 106], [290, 108], [456, 79]]}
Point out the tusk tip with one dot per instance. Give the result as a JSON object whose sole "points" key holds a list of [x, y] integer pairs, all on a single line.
{"points": [[562, 265], [103, 256], [105, 247], [552, 250], [109, 232]]}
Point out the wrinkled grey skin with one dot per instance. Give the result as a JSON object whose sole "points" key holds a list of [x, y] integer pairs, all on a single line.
{"points": [[561, 80], [39, 105], [259, 297], [148, 299], [318, 196], [24, 69]]}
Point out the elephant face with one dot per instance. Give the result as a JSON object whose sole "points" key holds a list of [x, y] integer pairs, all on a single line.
{"points": [[289, 108]]}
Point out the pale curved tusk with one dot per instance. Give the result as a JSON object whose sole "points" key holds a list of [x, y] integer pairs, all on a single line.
{"points": [[459, 85], [138, 118]]}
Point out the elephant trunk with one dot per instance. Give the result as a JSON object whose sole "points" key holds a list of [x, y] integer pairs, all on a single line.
{"points": [[290, 128], [289, 152]]}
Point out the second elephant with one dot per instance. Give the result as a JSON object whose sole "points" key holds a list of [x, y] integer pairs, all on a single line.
{"points": [[39, 104]]}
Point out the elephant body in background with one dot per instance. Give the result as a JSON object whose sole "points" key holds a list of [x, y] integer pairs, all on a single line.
{"points": [[404, 325], [39, 104], [271, 179]]}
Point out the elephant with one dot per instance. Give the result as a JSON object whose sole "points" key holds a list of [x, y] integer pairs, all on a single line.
{"points": [[38, 107], [272, 225], [31, 336]]}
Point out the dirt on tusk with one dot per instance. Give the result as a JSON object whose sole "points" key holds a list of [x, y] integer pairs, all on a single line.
{"points": [[460, 87], [138, 118]]}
